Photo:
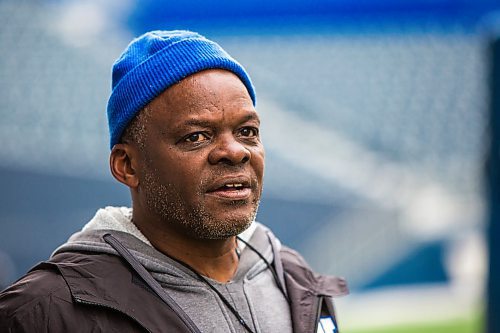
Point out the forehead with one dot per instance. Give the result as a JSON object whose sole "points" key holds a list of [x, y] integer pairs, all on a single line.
{"points": [[203, 93]]}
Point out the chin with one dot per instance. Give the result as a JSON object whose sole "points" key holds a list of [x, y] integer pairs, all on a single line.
{"points": [[223, 229]]}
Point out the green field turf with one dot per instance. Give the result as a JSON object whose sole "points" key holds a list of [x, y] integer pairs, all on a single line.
{"points": [[472, 325]]}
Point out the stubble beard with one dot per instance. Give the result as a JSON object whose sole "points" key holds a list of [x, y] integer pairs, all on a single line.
{"points": [[165, 201]]}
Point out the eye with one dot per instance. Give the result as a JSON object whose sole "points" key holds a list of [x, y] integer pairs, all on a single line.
{"points": [[196, 137], [249, 132]]}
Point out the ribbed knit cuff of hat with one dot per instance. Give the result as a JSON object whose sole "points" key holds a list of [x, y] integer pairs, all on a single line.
{"points": [[155, 61]]}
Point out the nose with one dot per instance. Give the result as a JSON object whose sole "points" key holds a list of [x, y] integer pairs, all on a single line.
{"points": [[230, 151]]}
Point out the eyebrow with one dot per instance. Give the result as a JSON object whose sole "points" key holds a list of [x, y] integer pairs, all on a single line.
{"points": [[252, 116], [196, 122]]}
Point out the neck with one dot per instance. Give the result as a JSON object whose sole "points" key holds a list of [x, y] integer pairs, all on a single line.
{"points": [[216, 259]]}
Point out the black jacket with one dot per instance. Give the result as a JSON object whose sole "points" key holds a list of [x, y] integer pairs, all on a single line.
{"points": [[95, 292]]}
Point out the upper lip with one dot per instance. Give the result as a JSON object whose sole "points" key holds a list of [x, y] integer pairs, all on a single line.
{"points": [[219, 183]]}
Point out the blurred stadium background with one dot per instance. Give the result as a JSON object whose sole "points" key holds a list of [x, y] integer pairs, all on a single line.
{"points": [[375, 123]]}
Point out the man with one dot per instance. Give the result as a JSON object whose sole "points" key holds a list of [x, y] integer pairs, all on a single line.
{"points": [[188, 256]]}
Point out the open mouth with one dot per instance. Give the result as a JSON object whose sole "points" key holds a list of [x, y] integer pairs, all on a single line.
{"points": [[233, 190], [232, 187]]}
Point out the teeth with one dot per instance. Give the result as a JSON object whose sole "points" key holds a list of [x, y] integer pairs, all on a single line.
{"points": [[234, 185]]}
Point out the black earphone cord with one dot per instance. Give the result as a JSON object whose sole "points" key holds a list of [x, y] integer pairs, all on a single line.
{"points": [[223, 299]]}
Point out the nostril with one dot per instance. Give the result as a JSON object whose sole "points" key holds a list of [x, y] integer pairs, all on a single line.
{"points": [[230, 151]]}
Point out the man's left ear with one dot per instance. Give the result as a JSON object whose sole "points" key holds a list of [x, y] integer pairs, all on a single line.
{"points": [[122, 163]]}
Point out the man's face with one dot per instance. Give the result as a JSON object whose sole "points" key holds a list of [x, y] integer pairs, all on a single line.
{"points": [[202, 164]]}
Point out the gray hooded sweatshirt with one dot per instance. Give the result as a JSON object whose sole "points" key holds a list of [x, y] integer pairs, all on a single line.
{"points": [[253, 291]]}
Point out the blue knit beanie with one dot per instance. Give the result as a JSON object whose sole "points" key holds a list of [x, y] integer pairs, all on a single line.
{"points": [[155, 61]]}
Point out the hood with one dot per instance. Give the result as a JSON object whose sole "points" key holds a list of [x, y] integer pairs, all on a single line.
{"points": [[118, 222]]}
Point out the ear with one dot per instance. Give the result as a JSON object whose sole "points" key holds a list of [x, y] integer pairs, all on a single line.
{"points": [[123, 164]]}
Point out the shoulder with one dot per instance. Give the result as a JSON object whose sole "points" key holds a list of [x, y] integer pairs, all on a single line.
{"points": [[299, 270], [296, 266], [292, 257], [286, 256], [28, 301], [42, 300]]}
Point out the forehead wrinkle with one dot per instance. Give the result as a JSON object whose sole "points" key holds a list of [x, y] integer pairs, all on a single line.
{"points": [[208, 123], [196, 97], [197, 122]]}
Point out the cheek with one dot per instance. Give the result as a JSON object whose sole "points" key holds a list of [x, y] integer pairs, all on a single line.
{"points": [[184, 170], [258, 158], [166, 169]]}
